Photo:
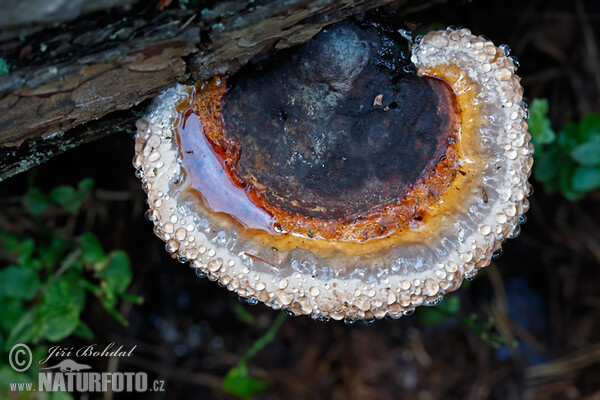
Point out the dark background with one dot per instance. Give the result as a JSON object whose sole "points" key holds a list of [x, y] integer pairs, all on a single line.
{"points": [[544, 292]]}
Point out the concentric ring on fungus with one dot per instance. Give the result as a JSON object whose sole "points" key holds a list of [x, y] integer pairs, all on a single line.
{"points": [[344, 195]]}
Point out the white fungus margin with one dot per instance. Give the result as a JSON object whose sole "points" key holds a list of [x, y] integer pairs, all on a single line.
{"points": [[446, 262]]}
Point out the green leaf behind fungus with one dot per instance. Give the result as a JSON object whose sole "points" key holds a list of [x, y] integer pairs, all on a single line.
{"points": [[539, 124], [19, 282]]}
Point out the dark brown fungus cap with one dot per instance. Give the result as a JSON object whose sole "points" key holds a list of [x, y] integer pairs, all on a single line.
{"points": [[333, 180]]}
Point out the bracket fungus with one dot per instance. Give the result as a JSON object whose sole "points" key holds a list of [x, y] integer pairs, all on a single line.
{"points": [[353, 177]]}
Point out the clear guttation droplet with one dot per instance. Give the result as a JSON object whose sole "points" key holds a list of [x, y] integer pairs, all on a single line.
{"points": [[515, 233], [200, 274], [409, 69], [496, 255], [433, 302], [321, 318], [506, 49], [406, 34]]}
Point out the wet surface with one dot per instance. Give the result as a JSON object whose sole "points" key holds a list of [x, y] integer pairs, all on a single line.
{"points": [[330, 130]]}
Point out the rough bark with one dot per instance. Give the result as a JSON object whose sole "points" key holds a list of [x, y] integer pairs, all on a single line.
{"points": [[76, 76]]}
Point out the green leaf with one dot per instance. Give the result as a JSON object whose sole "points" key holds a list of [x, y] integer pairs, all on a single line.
{"points": [[586, 178], [108, 302], [50, 253], [242, 313], [12, 311], [84, 331], [64, 295], [434, 315], [61, 396], [39, 352], [93, 253], [18, 282], [35, 201], [69, 198], [25, 257], [10, 241], [56, 326], [9, 375], [568, 138], [23, 331], [545, 168], [117, 273], [239, 383], [131, 298], [565, 182], [85, 187], [539, 124], [589, 128], [61, 194], [587, 153]]}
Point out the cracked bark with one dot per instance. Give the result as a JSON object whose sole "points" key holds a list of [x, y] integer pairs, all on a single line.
{"points": [[80, 72]]}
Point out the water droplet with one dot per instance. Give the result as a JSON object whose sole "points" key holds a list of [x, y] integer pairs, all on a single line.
{"points": [[433, 302], [251, 301], [506, 49], [181, 259], [289, 313], [418, 39], [515, 62], [470, 275], [522, 219], [530, 189], [139, 173], [515, 233], [406, 34], [320, 318], [496, 255], [409, 69], [200, 274], [408, 312], [368, 321], [349, 320]]}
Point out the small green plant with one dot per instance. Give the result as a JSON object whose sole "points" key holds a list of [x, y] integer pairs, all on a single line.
{"points": [[238, 380], [570, 160], [43, 290]]}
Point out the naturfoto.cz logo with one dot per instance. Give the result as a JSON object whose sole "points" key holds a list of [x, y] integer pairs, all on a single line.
{"points": [[71, 376]]}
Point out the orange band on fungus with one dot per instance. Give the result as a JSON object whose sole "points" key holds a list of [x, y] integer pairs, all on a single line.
{"points": [[199, 114]]}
